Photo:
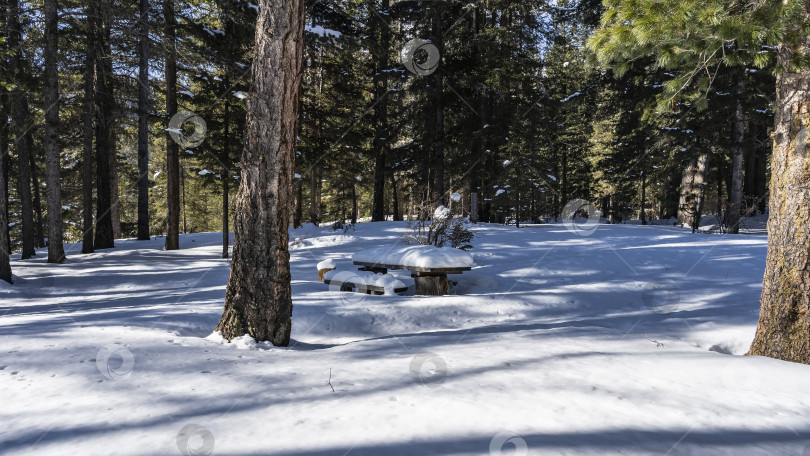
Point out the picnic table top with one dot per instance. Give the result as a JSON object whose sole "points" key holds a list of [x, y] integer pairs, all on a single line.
{"points": [[417, 258]]}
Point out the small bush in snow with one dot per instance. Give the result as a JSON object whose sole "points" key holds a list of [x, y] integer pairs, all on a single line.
{"points": [[443, 229]]}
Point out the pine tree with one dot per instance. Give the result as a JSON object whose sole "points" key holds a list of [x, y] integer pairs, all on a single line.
{"points": [[56, 252], [728, 34], [258, 300]]}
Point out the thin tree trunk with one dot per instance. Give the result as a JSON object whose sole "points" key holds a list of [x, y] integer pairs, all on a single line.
{"points": [[105, 236], [226, 176], [115, 212], [783, 331], [172, 148], [22, 134], [396, 192], [56, 251], [87, 149], [258, 299], [143, 122], [438, 106], [5, 241], [315, 197], [225, 213], [643, 214], [183, 197], [737, 154], [299, 204], [39, 232], [354, 203], [381, 134]]}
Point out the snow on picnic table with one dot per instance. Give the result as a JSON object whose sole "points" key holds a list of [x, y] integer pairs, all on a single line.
{"points": [[417, 256], [627, 341]]}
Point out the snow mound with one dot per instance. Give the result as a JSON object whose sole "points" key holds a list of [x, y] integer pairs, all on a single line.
{"points": [[417, 256], [326, 264], [244, 342]]}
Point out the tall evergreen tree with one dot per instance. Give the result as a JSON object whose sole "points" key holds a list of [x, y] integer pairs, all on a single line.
{"points": [[56, 252], [172, 148], [727, 34], [100, 14], [143, 121]]}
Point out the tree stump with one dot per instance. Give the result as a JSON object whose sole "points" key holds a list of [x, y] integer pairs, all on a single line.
{"points": [[321, 273], [435, 285]]}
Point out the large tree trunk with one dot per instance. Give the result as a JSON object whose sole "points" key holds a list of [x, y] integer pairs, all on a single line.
{"points": [[172, 148], [143, 122], [258, 300], [22, 135], [56, 252], [87, 149], [105, 237], [784, 320], [737, 151]]}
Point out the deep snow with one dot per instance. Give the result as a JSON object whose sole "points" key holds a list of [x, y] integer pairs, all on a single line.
{"points": [[622, 342]]}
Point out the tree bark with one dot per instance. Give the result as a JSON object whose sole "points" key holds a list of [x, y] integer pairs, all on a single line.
{"points": [[693, 191], [258, 299], [22, 135], [143, 122], [56, 251], [737, 153], [87, 149], [105, 237], [172, 148], [783, 331]]}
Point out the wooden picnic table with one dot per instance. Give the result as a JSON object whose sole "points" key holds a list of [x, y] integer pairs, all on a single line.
{"points": [[427, 281]]}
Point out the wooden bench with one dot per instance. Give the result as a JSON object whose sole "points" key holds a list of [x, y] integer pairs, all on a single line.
{"points": [[427, 281], [361, 287]]}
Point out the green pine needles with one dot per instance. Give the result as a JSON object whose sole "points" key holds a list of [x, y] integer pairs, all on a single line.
{"points": [[692, 39]]}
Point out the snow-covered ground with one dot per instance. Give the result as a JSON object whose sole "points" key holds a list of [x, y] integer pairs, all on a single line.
{"points": [[626, 341]]}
